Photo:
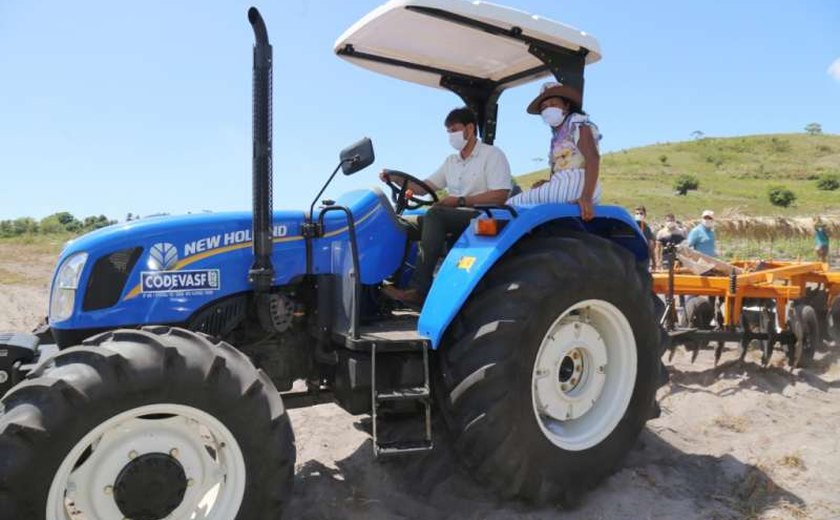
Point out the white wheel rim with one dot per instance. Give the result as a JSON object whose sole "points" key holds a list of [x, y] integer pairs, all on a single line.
{"points": [[584, 375], [216, 482]]}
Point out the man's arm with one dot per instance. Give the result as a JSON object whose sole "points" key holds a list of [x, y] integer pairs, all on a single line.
{"points": [[499, 181], [496, 197], [693, 238]]}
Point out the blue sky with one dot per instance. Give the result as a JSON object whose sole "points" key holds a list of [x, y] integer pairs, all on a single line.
{"points": [[111, 107]]}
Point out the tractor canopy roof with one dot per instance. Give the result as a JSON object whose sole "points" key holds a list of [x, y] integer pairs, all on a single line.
{"points": [[473, 48]]}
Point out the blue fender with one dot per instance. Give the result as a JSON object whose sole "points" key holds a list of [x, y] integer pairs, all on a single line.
{"points": [[472, 256]]}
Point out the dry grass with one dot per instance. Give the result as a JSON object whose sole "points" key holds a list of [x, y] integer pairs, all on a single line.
{"points": [[11, 277], [792, 461], [732, 423]]}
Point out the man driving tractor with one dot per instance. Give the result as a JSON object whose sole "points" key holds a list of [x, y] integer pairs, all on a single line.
{"points": [[477, 173]]}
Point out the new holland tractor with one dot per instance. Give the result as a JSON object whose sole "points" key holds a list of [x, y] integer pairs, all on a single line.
{"points": [[159, 386]]}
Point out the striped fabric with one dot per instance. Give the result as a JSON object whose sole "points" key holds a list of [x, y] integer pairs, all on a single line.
{"points": [[564, 186]]}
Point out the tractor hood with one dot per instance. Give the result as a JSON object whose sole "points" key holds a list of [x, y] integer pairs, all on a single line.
{"points": [[198, 232], [183, 262]]}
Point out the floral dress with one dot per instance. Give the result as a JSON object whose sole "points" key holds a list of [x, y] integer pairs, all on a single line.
{"points": [[567, 166]]}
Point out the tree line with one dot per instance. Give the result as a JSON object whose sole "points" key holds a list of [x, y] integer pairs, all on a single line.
{"points": [[61, 222]]}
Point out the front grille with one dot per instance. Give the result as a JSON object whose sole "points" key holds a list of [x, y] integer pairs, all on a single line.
{"points": [[108, 278]]}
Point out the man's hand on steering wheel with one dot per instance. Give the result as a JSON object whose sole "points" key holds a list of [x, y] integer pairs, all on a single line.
{"points": [[401, 193]]}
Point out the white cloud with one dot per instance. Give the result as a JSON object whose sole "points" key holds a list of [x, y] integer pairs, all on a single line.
{"points": [[834, 69]]}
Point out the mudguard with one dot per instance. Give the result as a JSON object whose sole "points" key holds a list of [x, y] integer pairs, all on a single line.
{"points": [[472, 256]]}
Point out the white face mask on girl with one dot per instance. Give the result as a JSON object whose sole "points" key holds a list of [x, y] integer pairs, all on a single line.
{"points": [[456, 139], [552, 116]]}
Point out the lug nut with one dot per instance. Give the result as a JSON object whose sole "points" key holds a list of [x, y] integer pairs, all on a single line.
{"points": [[109, 490], [132, 454], [174, 453]]}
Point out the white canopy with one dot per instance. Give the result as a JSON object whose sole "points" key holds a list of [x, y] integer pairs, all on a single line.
{"points": [[468, 38]]}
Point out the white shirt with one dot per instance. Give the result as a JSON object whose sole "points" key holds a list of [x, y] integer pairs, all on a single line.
{"points": [[485, 169]]}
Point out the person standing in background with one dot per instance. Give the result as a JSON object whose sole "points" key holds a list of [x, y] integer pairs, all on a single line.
{"points": [[702, 237], [640, 215], [670, 234], [821, 238]]}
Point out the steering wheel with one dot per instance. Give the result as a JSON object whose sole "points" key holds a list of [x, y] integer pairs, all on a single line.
{"points": [[403, 196]]}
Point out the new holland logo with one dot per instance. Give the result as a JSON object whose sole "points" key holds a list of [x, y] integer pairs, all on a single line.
{"points": [[162, 257]]}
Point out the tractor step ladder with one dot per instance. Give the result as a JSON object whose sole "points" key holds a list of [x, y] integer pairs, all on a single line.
{"points": [[417, 394]]}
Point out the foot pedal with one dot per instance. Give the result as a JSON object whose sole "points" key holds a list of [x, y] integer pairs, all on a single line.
{"points": [[420, 394]]}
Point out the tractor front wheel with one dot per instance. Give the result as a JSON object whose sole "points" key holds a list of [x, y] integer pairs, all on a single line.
{"points": [[552, 366], [145, 424]]}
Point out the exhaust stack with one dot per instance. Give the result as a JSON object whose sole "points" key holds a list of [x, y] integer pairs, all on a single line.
{"points": [[261, 273]]}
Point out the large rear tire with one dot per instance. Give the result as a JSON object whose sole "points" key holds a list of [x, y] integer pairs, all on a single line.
{"points": [[145, 424], [833, 320], [550, 371], [805, 325]]}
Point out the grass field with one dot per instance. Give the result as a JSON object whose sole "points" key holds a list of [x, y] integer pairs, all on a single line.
{"points": [[735, 174], [25, 259]]}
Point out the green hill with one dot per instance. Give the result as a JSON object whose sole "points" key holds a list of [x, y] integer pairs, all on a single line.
{"points": [[734, 173]]}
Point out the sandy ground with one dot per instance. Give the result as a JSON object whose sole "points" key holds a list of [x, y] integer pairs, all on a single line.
{"points": [[734, 441]]}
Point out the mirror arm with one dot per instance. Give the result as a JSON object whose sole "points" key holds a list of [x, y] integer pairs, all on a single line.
{"points": [[353, 159]]}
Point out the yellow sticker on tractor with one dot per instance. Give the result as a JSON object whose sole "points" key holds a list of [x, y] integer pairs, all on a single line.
{"points": [[466, 263]]}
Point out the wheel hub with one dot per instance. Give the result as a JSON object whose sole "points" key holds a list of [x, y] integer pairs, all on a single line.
{"points": [[150, 487], [577, 358], [584, 374], [571, 370]]}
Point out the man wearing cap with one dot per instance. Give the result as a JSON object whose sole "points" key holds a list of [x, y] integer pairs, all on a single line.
{"points": [[702, 237], [477, 173], [573, 156]]}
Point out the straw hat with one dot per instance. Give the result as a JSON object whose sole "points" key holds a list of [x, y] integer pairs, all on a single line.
{"points": [[554, 89]]}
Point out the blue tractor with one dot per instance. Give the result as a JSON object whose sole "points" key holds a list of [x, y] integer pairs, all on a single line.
{"points": [[174, 346]]}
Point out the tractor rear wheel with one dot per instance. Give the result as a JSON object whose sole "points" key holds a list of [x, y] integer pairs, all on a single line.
{"points": [[834, 320], [145, 424], [806, 328], [699, 312], [550, 371]]}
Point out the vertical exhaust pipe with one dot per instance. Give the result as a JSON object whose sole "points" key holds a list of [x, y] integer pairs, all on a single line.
{"points": [[261, 273]]}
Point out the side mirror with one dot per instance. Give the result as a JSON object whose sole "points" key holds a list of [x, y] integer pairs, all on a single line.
{"points": [[357, 156]]}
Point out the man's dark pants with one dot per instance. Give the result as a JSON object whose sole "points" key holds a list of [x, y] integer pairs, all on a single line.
{"points": [[432, 230]]}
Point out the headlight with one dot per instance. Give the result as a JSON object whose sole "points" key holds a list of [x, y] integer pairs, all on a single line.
{"points": [[64, 288]]}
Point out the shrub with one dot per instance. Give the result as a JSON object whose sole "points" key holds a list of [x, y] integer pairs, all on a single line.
{"points": [[779, 145], [781, 196], [828, 182], [684, 183], [663, 159]]}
